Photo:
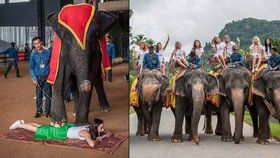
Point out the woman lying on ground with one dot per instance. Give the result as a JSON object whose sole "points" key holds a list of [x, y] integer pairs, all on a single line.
{"points": [[92, 133], [178, 56]]}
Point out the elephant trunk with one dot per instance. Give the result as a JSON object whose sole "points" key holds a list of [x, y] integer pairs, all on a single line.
{"points": [[150, 93], [237, 97], [198, 96], [276, 101]]}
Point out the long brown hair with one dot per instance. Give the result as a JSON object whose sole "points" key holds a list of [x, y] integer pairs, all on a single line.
{"points": [[194, 46], [145, 45], [93, 128]]}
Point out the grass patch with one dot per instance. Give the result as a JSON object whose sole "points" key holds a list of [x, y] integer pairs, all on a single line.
{"points": [[274, 126], [131, 110]]}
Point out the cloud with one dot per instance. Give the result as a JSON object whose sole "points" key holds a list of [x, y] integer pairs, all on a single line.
{"points": [[187, 20]]}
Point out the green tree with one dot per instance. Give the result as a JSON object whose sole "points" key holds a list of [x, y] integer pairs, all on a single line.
{"points": [[150, 42], [138, 38]]}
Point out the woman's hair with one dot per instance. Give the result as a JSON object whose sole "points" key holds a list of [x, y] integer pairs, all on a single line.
{"points": [[93, 128], [157, 49], [253, 43], [178, 43], [266, 46], [214, 40], [225, 38], [145, 45], [194, 46]]}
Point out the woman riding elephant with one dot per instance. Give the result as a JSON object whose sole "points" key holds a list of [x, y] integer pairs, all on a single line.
{"points": [[79, 56], [191, 90], [151, 87]]}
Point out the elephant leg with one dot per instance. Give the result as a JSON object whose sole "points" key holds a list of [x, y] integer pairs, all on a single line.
{"points": [[208, 121], [83, 108], [263, 118], [218, 130], [254, 116], [102, 98], [188, 121], [147, 119], [225, 117], [140, 116], [76, 97], [156, 114], [180, 113], [58, 111], [269, 132]]}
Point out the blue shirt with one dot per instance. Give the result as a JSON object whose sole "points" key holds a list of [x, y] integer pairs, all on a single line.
{"points": [[39, 63], [13, 53], [147, 61], [236, 58], [274, 61], [111, 50], [195, 60]]}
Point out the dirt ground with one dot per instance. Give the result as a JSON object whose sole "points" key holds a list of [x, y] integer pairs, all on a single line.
{"points": [[16, 102]]}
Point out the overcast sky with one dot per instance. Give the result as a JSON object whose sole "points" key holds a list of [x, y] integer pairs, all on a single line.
{"points": [[187, 20]]}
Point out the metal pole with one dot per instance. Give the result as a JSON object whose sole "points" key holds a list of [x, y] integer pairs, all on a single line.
{"points": [[41, 19]]}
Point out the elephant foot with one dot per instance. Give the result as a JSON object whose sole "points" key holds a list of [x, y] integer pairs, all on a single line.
{"points": [[218, 132], [193, 139], [242, 138], [227, 139], [263, 141], [140, 133], [147, 131], [208, 131], [82, 122], [153, 137], [177, 139], [105, 108]]}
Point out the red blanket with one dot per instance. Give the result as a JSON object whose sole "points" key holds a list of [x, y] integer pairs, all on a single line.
{"points": [[76, 18]]}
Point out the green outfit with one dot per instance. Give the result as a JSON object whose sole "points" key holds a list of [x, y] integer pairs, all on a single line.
{"points": [[50, 132]]}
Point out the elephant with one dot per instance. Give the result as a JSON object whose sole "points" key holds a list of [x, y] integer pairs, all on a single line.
{"points": [[151, 87], [235, 85], [83, 64], [266, 98], [191, 90]]}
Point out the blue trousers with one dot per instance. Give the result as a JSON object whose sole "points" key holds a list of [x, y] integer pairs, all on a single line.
{"points": [[43, 88]]}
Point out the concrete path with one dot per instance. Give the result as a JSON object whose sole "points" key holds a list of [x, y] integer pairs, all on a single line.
{"points": [[210, 146]]}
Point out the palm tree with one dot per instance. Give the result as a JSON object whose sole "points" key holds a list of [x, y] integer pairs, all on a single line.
{"points": [[138, 38], [150, 42]]}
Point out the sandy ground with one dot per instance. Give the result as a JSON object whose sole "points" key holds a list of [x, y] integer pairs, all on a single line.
{"points": [[17, 102], [210, 146]]}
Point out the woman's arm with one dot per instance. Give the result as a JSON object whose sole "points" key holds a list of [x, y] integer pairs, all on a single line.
{"points": [[167, 41], [87, 136]]}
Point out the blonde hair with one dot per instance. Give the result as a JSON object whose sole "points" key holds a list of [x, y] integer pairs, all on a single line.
{"points": [[253, 43]]}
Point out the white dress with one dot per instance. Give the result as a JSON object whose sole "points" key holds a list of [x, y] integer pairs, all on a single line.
{"points": [[199, 51], [256, 50], [73, 132], [267, 53], [160, 55], [229, 47], [179, 53], [220, 48], [141, 53]]}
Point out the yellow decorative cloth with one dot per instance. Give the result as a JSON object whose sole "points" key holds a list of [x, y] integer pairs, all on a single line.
{"points": [[133, 95]]}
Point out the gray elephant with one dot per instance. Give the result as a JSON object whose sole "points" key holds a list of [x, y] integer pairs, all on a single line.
{"points": [[151, 87], [191, 90], [235, 85], [267, 100]]}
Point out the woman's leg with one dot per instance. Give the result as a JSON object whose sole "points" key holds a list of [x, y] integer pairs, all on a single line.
{"points": [[254, 63], [217, 57], [28, 126], [178, 61], [223, 61], [259, 62], [163, 68], [35, 124]]}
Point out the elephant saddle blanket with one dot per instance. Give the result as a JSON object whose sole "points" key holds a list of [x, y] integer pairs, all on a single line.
{"points": [[215, 99], [255, 76], [108, 145], [76, 18], [170, 98], [133, 95]]}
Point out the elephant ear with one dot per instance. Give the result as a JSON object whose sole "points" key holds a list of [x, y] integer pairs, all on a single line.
{"points": [[222, 89], [180, 87], [106, 22], [212, 86], [53, 21], [259, 88], [140, 83], [163, 80]]}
